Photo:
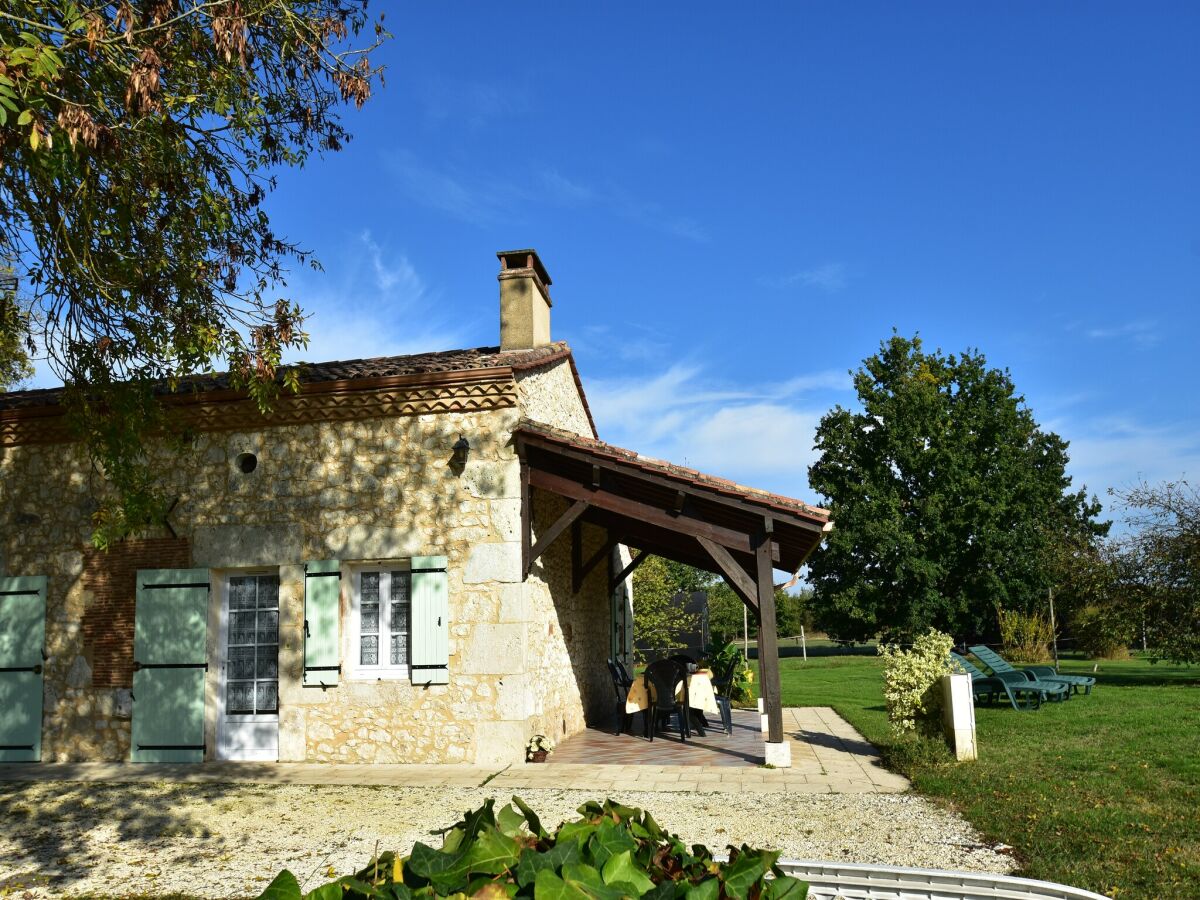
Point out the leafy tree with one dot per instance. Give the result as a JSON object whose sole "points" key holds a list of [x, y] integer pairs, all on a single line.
{"points": [[945, 493], [1160, 566], [725, 613], [139, 142], [15, 362], [658, 620]]}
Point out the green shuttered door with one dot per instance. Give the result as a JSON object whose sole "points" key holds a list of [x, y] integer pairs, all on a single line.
{"points": [[430, 621], [322, 606], [22, 640], [170, 661]]}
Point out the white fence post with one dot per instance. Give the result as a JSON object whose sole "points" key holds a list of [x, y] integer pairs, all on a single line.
{"points": [[958, 715]]}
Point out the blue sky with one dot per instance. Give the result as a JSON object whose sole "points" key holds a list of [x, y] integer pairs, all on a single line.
{"points": [[737, 204]]}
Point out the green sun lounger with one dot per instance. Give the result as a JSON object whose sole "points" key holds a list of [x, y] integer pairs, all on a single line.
{"points": [[1022, 693], [998, 664]]}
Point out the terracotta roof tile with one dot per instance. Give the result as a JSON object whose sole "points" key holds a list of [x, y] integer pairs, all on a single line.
{"points": [[682, 473], [350, 370]]}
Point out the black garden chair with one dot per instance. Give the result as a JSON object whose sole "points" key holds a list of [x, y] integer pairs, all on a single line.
{"points": [[667, 691], [621, 682]]}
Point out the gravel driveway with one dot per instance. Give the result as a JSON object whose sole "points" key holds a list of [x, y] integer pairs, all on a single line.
{"points": [[229, 840]]}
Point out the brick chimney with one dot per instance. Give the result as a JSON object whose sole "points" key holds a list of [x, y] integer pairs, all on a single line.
{"points": [[524, 300]]}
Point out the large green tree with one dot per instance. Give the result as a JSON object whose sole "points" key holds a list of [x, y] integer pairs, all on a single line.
{"points": [[1159, 579], [138, 142], [946, 495]]}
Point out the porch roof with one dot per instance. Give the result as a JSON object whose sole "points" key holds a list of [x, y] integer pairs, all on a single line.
{"points": [[666, 509]]}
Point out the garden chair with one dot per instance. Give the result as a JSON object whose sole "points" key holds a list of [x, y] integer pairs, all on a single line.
{"points": [[722, 688], [1021, 693], [667, 690], [621, 683], [998, 663]]}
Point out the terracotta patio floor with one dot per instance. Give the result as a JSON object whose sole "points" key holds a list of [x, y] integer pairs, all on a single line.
{"points": [[600, 745]]}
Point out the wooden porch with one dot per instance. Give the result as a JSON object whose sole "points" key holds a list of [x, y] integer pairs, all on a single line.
{"points": [[736, 532]]}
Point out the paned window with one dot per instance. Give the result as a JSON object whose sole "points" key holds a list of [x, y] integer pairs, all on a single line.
{"points": [[252, 676], [382, 613]]}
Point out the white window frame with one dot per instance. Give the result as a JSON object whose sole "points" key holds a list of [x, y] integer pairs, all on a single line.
{"points": [[383, 671]]}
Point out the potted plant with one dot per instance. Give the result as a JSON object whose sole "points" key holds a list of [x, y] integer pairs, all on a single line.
{"points": [[538, 748]]}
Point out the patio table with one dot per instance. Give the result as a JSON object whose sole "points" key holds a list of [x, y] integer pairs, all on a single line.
{"points": [[700, 694]]}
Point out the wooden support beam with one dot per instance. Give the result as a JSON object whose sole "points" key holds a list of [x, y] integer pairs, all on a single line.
{"points": [[644, 513], [582, 572], [564, 521], [526, 520], [768, 639], [737, 577], [627, 571]]}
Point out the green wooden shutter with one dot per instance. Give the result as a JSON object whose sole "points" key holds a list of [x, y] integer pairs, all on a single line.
{"points": [[430, 654], [322, 609], [22, 642], [169, 663]]}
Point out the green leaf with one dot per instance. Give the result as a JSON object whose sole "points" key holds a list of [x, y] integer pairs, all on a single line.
{"points": [[708, 889], [492, 852], [610, 839], [510, 821], [532, 862], [284, 887], [535, 824], [550, 887], [746, 870], [621, 869], [25, 117], [785, 886], [331, 891]]}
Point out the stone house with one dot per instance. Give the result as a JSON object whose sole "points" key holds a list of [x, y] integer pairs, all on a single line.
{"points": [[371, 573]]}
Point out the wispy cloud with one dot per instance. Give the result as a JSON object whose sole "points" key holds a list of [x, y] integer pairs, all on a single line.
{"points": [[402, 316], [473, 104], [1142, 334], [460, 195], [760, 434], [830, 277]]}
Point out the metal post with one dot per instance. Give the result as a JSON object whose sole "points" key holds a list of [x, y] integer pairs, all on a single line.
{"points": [[1053, 628]]}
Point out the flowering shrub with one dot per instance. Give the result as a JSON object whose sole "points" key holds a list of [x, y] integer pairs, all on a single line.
{"points": [[910, 682], [536, 743]]}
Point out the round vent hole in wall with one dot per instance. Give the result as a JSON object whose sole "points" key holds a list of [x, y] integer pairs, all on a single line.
{"points": [[246, 462]]}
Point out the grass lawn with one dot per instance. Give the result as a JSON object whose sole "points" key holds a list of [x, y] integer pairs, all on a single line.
{"points": [[1101, 792]]}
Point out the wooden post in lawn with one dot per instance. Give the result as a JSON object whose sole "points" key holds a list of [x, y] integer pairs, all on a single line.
{"points": [[778, 751]]}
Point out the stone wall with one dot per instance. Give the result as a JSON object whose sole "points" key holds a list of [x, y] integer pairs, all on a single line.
{"points": [[521, 654], [550, 395]]}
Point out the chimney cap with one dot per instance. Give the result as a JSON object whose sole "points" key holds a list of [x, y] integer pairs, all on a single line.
{"points": [[524, 259]]}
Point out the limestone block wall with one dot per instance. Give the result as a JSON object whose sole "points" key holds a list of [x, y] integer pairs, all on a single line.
{"points": [[376, 489], [550, 395]]}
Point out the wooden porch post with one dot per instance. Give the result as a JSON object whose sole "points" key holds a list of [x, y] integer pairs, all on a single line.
{"points": [[768, 642]]}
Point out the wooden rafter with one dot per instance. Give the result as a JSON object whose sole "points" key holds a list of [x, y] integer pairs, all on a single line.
{"points": [[640, 512], [627, 571], [739, 579], [577, 509]]}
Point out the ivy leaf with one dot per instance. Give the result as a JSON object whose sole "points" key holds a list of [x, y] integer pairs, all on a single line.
{"points": [[331, 891], [535, 824], [284, 887], [746, 871], [610, 840], [620, 870], [509, 821], [550, 887], [492, 852], [785, 886], [708, 889], [532, 862]]}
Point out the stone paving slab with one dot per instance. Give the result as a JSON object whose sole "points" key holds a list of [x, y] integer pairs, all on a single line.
{"points": [[828, 756]]}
